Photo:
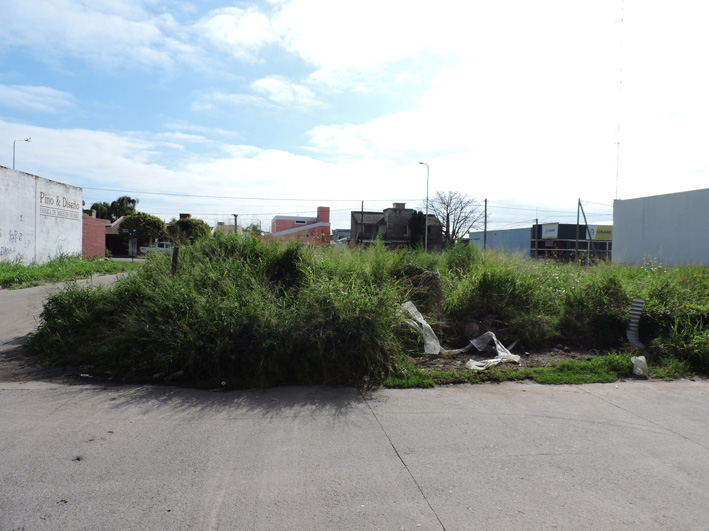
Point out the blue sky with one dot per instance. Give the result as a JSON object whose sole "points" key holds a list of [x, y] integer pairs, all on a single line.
{"points": [[276, 107]]}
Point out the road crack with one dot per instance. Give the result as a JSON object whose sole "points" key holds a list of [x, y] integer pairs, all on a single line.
{"points": [[403, 463]]}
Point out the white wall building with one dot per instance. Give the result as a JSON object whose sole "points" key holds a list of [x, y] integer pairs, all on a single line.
{"points": [[668, 229], [507, 240], [39, 219]]}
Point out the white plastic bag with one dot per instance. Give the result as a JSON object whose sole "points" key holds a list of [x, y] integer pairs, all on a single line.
{"points": [[430, 341]]}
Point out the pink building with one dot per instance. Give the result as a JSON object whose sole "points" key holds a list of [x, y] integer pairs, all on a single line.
{"points": [[314, 230]]}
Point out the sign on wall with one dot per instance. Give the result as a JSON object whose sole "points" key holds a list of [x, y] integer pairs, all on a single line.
{"points": [[601, 232], [550, 231]]}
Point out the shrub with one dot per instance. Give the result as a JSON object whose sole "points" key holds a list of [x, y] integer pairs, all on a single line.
{"points": [[238, 310]]}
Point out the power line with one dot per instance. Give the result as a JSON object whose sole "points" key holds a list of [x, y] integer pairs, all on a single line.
{"points": [[174, 194]]}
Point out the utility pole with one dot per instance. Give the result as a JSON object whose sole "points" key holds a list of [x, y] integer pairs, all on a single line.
{"points": [[485, 229], [361, 220], [425, 233]]}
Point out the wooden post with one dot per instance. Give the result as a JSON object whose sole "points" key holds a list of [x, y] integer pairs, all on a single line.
{"points": [[175, 252]]}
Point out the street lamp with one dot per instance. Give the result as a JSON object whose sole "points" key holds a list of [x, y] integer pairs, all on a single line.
{"points": [[425, 236], [13, 148]]}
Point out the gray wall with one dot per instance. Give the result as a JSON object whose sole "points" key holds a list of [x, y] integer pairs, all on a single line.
{"points": [[39, 219], [510, 240], [668, 229]]}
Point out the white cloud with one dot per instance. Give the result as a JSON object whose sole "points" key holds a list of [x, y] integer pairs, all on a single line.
{"points": [[269, 92], [31, 98], [214, 101], [352, 34], [240, 32], [109, 34], [180, 137], [383, 39], [284, 93]]}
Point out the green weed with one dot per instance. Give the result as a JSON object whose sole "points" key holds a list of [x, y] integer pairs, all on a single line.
{"points": [[61, 269]]}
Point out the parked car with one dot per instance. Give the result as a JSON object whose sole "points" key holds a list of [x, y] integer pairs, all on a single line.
{"points": [[160, 247]]}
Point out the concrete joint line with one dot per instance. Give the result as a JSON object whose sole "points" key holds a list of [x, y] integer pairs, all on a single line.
{"points": [[647, 420], [418, 486]]}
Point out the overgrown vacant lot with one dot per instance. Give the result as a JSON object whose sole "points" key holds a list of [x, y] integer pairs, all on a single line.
{"points": [[252, 314]]}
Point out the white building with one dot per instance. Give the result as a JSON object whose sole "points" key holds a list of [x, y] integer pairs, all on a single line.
{"points": [[668, 229], [507, 240], [39, 219]]}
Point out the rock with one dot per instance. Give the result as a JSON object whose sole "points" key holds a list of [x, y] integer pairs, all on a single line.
{"points": [[471, 329]]}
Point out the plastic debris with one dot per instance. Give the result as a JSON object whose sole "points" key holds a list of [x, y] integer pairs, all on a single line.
{"points": [[636, 309], [503, 355], [639, 366], [433, 346]]}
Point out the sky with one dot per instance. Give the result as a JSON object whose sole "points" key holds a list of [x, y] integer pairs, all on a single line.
{"points": [[276, 107]]}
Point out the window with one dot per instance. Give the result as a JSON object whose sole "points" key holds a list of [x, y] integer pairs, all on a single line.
{"points": [[401, 230], [299, 222]]}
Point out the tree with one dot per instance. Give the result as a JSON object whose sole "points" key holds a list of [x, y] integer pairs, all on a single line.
{"points": [[417, 228], [254, 229], [459, 214], [123, 206], [187, 230], [148, 227], [101, 209]]}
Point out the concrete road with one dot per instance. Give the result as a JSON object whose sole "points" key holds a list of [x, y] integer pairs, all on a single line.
{"points": [[632, 455], [508, 456]]}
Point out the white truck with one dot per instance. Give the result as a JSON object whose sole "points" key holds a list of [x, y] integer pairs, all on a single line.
{"points": [[160, 247]]}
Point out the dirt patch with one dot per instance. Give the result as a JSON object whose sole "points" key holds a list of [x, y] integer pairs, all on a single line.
{"points": [[545, 358]]}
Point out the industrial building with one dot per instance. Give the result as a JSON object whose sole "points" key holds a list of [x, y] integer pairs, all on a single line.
{"points": [[560, 241]]}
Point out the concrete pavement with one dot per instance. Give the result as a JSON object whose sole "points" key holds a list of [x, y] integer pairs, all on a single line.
{"points": [[498, 456]]}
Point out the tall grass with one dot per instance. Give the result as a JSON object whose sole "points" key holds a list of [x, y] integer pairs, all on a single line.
{"points": [[237, 310], [62, 268], [260, 314]]}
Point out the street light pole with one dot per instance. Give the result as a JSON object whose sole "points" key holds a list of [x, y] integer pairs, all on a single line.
{"points": [[13, 148], [425, 236]]}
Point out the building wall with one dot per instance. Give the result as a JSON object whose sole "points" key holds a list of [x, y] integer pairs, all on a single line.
{"points": [[314, 230], [510, 240], [280, 223], [397, 222], [317, 233], [40, 219], [668, 229], [94, 237]]}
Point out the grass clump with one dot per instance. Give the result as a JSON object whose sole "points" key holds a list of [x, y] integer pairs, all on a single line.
{"points": [[601, 369], [60, 269], [240, 311]]}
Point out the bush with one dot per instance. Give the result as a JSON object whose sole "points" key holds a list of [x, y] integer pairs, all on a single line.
{"points": [[237, 310]]}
